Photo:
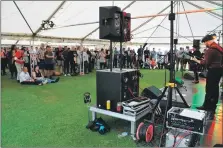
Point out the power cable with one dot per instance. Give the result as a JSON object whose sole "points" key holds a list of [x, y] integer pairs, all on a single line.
{"points": [[187, 19]]}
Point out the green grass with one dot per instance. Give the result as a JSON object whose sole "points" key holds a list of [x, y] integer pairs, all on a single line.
{"points": [[55, 114]]}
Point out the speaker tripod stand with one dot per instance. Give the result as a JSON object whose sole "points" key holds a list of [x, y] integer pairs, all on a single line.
{"points": [[170, 87]]}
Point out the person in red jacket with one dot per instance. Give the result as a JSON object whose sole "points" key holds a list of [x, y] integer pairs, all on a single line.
{"points": [[153, 63], [19, 61], [213, 61]]}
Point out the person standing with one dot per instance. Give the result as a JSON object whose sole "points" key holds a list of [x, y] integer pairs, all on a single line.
{"points": [[115, 60], [33, 55], [140, 52], [75, 68], [27, 59], [159, 59], [140, 57], [146, 54], [102, 59], [186, 57], [213, 61], [133, 57], [153, 54], [49, 62], [107, 57], [70, 58], [179, 59], [93, 57], [85, 60], [125, 58], [3, 61], [11, 56], [129, 62], [40, 59], [66, 61], [89, 60], [19, 61], [60, 62]]}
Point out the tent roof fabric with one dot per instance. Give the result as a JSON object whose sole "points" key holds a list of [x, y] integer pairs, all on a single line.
{"points": [[74, 12]]}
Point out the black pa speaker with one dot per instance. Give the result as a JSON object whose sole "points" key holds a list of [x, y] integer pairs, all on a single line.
{"points": [[175, 41], [116, 86], [151, 92], [109, 23], [196, 43]]}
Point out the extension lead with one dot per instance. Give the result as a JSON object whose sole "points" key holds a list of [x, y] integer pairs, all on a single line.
{"points": [[145, 132]]}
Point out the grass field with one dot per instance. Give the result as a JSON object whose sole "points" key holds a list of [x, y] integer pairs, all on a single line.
{"points": [[55, 114]]}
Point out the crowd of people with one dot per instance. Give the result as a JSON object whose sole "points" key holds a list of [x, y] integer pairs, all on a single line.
{"points": [[38, 66], [44, 63]]}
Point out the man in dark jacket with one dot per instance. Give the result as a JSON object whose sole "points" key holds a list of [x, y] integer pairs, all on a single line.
{"points": [[66, 61], [89, 61], [70, 58], [213, 61], [140, 55], [115, 61], [146, 54]]}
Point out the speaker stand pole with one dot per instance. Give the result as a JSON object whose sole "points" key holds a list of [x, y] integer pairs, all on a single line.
{"points": [[111, 56], [171, 84], [121, 37], [219, 37], [121, 56]]}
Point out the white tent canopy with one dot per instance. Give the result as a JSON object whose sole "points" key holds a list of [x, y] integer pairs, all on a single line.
{"points": [[14, 27]]}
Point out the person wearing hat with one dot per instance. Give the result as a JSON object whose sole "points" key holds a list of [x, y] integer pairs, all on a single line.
{"points": [[213, 61]]}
